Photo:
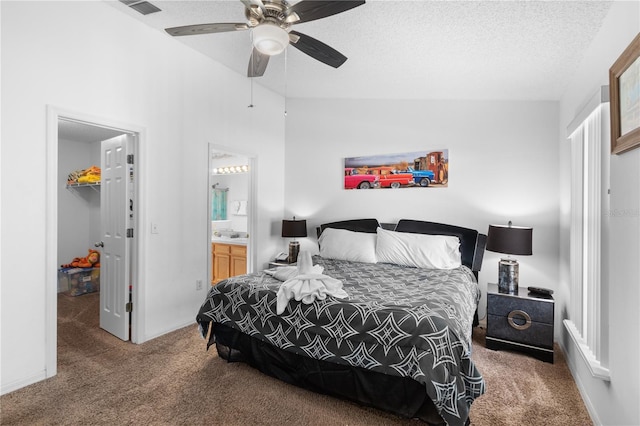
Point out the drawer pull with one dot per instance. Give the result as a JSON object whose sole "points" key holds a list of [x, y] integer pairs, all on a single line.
{"points": [[523, 315]]}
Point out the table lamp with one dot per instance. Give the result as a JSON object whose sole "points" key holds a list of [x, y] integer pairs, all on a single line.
{"points": [[514, 240], [294, 229]]}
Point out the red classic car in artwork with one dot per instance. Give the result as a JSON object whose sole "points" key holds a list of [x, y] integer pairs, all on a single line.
{"points": [[391, 178], [354, 180]]}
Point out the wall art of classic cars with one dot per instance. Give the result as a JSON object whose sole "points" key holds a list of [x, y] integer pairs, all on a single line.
{"points": [[418, 169]]}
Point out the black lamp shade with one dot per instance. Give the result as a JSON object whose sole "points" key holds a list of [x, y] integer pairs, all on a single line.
{"points": [[510, 239], [294, 228]]}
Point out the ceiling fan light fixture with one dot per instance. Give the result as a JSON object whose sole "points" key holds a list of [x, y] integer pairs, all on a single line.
{"points": [[270, 39]]}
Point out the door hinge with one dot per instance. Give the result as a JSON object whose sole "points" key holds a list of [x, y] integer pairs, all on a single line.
{"points": [[129, 158], [129, 232], [129, 307]]}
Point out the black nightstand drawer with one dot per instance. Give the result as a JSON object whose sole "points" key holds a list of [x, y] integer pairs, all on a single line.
{"points": [[502, 305], [535, 333], [521, 321]]}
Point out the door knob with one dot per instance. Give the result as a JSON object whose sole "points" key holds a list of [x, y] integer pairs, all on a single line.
{"points": [[99, 244]]}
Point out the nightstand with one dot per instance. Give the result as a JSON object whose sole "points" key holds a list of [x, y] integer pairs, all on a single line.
{"points": [[522, 322], [276, 263]]}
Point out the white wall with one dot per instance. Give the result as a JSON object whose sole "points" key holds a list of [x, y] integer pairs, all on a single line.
{"points": [[78, 209], [89, 58], [614, 403], [503, 167], [238, 192]]}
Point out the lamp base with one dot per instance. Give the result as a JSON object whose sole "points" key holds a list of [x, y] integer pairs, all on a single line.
{"points": [[294, 249], [508, 276]]}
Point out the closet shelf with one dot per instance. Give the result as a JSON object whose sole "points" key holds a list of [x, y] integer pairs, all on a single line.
{"points": [[95, 186]]}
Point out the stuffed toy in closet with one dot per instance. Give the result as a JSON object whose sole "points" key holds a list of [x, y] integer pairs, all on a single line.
{"points": [[92, 260]]}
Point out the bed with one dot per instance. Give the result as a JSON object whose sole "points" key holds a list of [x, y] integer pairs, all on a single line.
{"points": [[400, 341]]}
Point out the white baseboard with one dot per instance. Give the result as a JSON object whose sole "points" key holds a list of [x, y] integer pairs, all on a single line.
{"points": [[576, 378], [18, 384], [190, 322]]}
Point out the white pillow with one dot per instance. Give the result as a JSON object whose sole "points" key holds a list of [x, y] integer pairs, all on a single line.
{"points": [[418, 250], [348, 245]]}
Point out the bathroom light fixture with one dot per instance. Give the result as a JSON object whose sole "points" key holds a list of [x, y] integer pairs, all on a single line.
{"points": [[270, 39], [230, 169]]}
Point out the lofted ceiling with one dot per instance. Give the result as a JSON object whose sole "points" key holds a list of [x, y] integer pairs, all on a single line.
{"points": [[512, 50]]}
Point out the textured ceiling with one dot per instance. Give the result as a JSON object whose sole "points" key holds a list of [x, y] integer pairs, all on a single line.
{"points": [[411, 49]]}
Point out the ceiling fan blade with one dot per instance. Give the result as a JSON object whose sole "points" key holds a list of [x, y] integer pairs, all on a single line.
{"points": [[206, 29], [309, 10], [316, 49], [257, 64], [254, 5]]}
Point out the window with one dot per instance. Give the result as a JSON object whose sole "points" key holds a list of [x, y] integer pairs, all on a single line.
{"points": [[588, 310]]}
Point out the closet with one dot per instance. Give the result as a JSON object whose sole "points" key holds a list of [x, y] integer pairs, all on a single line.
{"points": [[78, 204], [79, 147]]}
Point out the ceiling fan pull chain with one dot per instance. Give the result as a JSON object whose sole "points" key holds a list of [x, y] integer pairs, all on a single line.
{"points": [[251, 102], [251, 78], [286, 56]]}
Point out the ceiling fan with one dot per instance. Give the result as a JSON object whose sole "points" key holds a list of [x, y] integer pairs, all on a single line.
{"points": [[271, 22]]}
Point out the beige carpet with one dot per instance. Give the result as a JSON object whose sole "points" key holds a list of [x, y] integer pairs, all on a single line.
{"points": [[172, 380]]}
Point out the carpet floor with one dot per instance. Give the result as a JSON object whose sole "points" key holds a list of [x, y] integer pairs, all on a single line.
{"points": [[173, 380]]}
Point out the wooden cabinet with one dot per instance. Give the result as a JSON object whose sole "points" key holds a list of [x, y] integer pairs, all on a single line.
{"points": [[228, 260], [238, 261], [522, 321]]}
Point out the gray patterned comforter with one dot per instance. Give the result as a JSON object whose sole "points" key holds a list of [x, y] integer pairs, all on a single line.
{"points": [[398, 320]]}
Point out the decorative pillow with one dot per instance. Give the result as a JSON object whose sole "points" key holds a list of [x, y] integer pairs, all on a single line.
{"points": [[418, 250], [348, 245]]}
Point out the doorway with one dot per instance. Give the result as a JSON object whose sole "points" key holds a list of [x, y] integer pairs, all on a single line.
{"points": [[231, 224], [75, 139]]}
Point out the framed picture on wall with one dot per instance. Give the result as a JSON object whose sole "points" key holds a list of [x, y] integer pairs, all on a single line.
{"points": [[624, 93], [428, 168]]}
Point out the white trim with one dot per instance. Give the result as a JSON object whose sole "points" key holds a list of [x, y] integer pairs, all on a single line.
{"points": [[51, 246], [595, 367], [593, 226], [164, 331], [19, 384], [51, 231], [252, 212], [576, 235], [589, 135], [593, 413], [252, 225], [600, 97]]}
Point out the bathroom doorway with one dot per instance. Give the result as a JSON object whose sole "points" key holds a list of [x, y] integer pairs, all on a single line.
{"points": [[231, 195]]}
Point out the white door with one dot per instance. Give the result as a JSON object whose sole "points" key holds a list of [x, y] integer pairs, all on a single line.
{"points": [[116, 218]]}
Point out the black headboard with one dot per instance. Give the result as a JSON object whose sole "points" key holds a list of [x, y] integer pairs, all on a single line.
{"points": [[472, 243], [356, 225]]}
